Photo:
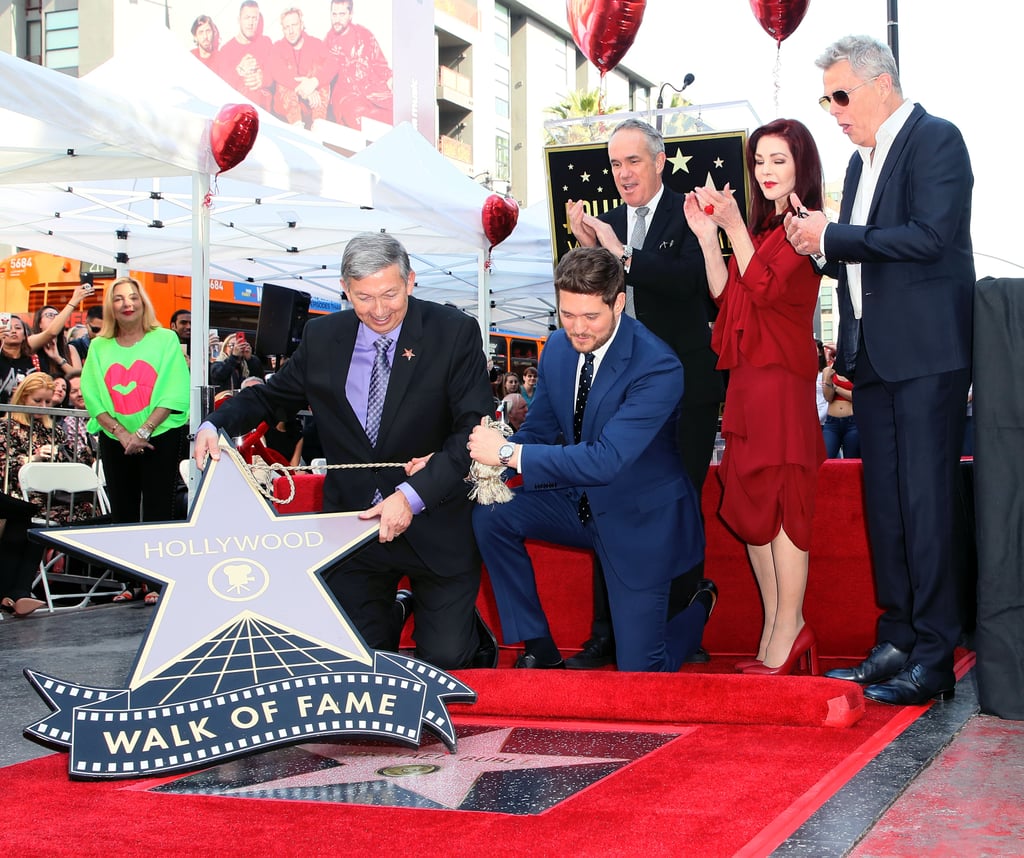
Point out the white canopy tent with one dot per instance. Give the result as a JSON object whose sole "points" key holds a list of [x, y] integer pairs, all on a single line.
{"points": [[65, 130], [278, 224]]}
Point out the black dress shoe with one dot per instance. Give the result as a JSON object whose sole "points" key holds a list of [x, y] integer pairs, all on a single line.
{"points": [[698, 656], [882, 663], [405, 605], [913, 686], [597, 652], [529, 662], [486, 654], [401, 609], [706, 594]]}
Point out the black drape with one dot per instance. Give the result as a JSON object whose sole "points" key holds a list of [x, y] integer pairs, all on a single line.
{"points": [[999, 498]]}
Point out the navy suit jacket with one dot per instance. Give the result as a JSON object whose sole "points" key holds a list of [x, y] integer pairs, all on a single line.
{"points": [[917, 264], [644, 507], [437, 392], [670, 293]]}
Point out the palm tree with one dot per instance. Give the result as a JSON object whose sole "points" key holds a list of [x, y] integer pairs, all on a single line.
{"points": [[585, 106]]}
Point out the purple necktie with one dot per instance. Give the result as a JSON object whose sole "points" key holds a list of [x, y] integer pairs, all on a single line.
{"points": [[379, 376]]}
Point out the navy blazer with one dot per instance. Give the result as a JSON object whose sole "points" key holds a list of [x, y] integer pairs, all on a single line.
{"points": [[437, 392], [671, 293], [917, 263], [644, 507]]}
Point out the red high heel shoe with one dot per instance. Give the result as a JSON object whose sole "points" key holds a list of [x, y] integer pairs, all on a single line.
{"points": [[744, 663], [804, 649]]}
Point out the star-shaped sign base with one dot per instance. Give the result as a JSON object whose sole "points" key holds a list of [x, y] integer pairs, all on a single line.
{"points": [[247, 646]]}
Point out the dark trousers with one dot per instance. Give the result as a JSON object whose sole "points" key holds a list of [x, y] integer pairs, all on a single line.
{"points": [[911, 434], [645, 638], [142, 487], [445, 630], [19, 558], [696, 432]]}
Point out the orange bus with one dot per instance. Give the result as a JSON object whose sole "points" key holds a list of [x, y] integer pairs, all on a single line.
{"points": [[511, 352]]}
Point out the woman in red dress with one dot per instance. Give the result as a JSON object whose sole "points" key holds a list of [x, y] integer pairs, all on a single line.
{"points": [[764, 336]]}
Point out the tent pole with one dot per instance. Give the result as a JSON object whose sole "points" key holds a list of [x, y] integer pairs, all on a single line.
{"points": [[200, 297], [483, 299]]}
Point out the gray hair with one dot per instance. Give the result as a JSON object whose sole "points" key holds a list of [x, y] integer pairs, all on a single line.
{"points": [[655, 142], [867, 57], [370, 252]]}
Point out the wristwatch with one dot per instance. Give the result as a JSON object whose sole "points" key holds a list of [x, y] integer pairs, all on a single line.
{"points": [[505, 452], [144, 432], [627, 252]]}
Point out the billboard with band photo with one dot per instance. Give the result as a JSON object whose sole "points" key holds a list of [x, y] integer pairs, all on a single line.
{"points": [[324, 64]]}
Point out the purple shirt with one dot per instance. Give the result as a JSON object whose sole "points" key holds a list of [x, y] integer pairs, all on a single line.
{"points": [[357, 388]]}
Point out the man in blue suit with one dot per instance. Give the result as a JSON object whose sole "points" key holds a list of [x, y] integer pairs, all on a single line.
{"points": [[901, 252], [601, 470]]}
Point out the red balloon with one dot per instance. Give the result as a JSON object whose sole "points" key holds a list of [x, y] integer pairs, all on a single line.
{"points": [[779, 18], [500, 215], [604, 29], [233, 133]]}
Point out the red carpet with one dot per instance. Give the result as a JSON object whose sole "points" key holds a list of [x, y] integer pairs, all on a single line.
{"points": [[664, 698], [707, 793], [759, 755]]}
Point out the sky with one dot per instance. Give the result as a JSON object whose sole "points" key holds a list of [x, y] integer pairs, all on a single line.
{"points": [[954, 56]]}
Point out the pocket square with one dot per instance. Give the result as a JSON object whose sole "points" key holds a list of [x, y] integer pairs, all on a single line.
{"points": [[665, 245]]}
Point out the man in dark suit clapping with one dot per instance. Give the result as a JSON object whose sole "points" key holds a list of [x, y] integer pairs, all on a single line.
{"points": [[392, 380]]}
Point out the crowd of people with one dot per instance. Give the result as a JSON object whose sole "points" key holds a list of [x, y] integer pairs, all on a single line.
{"points": [[130, 377], [612, 431], [343, 77]]}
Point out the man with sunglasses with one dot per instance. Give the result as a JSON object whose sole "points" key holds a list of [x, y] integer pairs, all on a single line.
{"points": [[94, 322], [901, 252]]}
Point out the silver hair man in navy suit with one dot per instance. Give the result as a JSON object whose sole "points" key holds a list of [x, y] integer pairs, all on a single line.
{"points": [[901, 252]]}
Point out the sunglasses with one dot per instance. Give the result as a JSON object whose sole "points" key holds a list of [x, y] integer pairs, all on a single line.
{"points": [[842, 96], [95, 330]]}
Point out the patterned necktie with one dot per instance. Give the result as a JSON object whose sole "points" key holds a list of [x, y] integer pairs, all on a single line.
{"points": [[378, 388], [636, 241], [582, 392], [379, 376]]}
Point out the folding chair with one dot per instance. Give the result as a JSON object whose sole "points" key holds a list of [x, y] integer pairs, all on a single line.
{"points": [[74, 478]]}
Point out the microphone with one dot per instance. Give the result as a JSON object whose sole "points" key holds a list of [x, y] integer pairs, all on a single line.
{"points": [[661, 92]]}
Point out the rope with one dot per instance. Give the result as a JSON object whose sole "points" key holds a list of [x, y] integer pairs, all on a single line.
{"points": [[488, 487], [260, 475]]}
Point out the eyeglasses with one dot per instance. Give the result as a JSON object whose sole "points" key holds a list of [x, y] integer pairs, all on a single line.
{"points": [[49, 314], [842, 96]]}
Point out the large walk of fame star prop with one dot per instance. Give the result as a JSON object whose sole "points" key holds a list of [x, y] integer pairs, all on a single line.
{"points": [[247, 648]]}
